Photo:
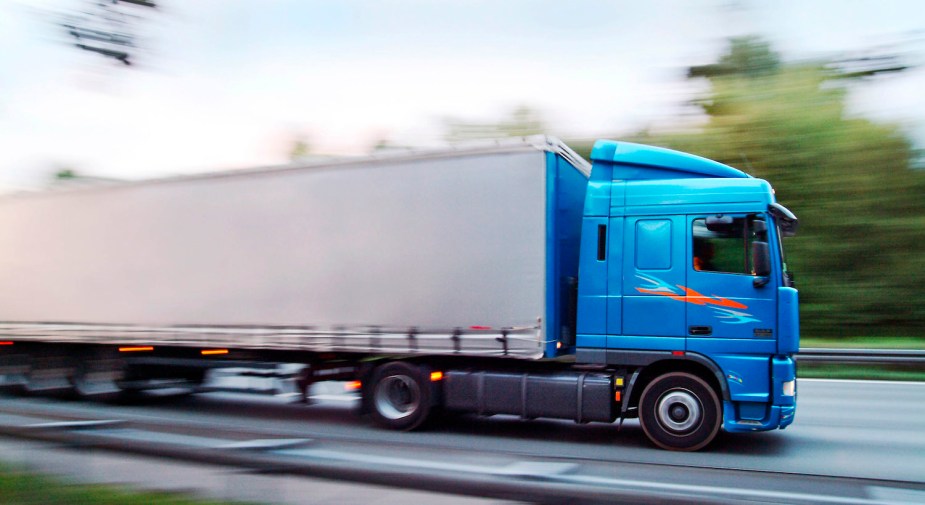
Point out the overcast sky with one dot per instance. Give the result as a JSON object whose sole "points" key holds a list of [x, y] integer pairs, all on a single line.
{"points": [[221, 84]]}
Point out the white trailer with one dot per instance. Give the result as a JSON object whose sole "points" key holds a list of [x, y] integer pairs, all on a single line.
{"points": [[431, 252]]}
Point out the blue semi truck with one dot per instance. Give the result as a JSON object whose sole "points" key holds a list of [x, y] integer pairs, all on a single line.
{"points": [[506, 278]]}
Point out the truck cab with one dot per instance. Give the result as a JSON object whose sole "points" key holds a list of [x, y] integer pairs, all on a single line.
{"points": [[682, 280]]}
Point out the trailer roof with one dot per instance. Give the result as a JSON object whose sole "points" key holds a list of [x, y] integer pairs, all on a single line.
{"points": [[471, 148]]}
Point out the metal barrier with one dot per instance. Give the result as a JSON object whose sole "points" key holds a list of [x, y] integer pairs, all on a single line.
{"points": [[906, 357]]}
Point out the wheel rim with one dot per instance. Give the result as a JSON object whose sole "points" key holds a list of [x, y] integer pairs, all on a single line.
{"points": [[397, 397], [679, 411]]}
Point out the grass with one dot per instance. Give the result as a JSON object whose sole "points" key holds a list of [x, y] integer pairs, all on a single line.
{"points": [[864, 342], [25, 488], [859, 371]]}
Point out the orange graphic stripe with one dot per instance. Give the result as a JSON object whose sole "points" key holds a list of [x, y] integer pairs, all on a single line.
{"points": [[691, 296]]}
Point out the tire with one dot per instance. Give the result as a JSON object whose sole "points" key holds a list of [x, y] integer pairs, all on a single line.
{"points": [[97, 378], [680, 412], [50, 375], [399, 396]]}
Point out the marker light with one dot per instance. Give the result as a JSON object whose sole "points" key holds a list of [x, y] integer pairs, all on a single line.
{"points": [[140, 348], [6, 342], [436, 376], [353, 385], [212, 352], [790, 388]]}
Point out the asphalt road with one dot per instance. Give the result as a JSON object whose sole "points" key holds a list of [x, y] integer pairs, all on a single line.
{"points": [[862, 430], [851, 439]]}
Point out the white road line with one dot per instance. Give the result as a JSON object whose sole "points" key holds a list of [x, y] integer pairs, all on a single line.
{"points": [[858, 381]]}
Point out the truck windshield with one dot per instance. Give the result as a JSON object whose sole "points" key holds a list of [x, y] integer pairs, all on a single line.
{"points": [[788, 275], [786, 223]]}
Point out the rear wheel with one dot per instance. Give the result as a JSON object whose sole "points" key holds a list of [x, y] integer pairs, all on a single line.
{"points": [[399, 396], [679, 411], [97, 377], [50, 374]]}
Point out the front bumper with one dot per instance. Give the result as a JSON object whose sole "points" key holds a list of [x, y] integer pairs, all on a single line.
{"points": [[783, 407], [778, 417]]}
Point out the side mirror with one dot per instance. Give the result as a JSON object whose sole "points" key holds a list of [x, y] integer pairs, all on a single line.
{"points": [[761, 262], [785, 219]]}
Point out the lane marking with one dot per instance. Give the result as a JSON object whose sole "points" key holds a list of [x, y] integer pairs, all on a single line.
{"points": [[859, 381]]}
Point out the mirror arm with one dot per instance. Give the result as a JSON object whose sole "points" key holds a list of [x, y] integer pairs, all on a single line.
{"points": [[760, 282]]}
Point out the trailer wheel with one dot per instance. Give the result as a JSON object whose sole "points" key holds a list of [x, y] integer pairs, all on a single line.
{"points": [[50, 375], [399, 396], [680, 412], [98, 378]]}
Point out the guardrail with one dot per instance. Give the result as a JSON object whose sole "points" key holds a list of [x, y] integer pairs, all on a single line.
{"points": [[905, 357]]}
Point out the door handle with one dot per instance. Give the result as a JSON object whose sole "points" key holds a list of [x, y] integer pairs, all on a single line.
{"points": [[700, 330], [601, 242]]}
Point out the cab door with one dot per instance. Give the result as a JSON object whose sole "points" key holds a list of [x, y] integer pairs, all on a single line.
{"points": [[725, 297], [653, 272]]}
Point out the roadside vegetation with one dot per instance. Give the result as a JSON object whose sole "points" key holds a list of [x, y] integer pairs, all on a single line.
{"points": [[857, 185], [24, 488]]}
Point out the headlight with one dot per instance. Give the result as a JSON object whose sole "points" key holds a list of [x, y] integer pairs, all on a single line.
{"points": [[790, 388]]}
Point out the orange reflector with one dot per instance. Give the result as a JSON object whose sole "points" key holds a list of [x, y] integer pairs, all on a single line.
{"points": [[212, 352], [436, 376], [353, 385], [677, 353], [6, 343], [617, 396], [140, 348]]}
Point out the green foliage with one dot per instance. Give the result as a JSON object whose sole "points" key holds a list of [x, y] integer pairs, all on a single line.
{"points": [[300, 149], [858, 256], [18, 488], [748, 56]]}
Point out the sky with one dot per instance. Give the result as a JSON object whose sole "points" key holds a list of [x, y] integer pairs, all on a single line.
{"points": [[222, 84]]}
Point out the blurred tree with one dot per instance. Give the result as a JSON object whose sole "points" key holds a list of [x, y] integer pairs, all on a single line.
{"points": [[858, 256], [748, 56], [522, 121], [65, 173], [300, 150], [105, 28]]}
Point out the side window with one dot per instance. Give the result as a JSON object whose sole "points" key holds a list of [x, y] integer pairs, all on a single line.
{"points": [[724, 244], [653, 244]]}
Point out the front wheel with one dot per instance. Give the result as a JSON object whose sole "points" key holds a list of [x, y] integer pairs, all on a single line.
{"points": [[399, 396], [680, 412]]}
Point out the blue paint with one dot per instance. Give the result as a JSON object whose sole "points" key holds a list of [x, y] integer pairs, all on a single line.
{"points": [[566, 188], [637, 162], [789, 321], [646, 342], [646, 295], [653, 244]]}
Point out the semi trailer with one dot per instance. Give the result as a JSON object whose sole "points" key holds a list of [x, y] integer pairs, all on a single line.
{"points": [[511, 277]]}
